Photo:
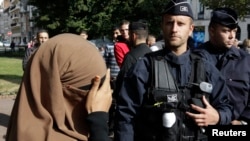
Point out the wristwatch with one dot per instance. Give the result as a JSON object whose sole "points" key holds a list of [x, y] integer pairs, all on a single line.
{"points": [[243, 122]]}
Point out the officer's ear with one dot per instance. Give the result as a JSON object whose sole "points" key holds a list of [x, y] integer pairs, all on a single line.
{"points": [[211, 31], [191, 28], [134, 36]]}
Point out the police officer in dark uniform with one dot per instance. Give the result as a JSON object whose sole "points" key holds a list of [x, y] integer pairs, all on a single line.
{"points": [[232, 62], [133, 122], [138, 33]]}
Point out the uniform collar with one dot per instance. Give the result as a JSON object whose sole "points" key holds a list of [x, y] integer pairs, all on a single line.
{"points": [[232, 52], [181, 59], [214, 49]]}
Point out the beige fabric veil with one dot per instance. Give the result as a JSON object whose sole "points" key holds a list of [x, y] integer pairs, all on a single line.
{"points": [[49, 106]]}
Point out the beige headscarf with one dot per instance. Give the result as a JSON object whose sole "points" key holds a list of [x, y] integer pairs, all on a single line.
{"points": [[49, 106]]}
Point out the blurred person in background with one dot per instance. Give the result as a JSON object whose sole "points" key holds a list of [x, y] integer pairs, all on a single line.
{"points": [[122, 45], [12, 46], [84, 34], [42, 36], [236, 43], [246, 45], [151, 39], [32, 42], [110, 56], [111, 63]]}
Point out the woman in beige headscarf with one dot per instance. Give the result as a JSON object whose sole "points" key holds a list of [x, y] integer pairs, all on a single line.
{"points": [[50, 104]]}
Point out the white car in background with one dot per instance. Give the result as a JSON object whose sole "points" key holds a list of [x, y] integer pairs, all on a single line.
{"points": [[6, 43]]}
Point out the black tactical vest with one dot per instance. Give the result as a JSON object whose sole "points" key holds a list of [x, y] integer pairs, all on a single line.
{"points": [[165, 96]]}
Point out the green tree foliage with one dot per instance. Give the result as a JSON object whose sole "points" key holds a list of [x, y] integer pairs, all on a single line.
{"points": [[242, 7], [99, 16], [96, 16]]}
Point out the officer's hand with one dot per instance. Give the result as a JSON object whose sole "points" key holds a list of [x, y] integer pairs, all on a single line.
{"points": [[236, 122], [99, 99], [207, 116]]}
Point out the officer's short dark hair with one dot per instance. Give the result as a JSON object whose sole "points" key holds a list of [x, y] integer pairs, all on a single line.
{"points": [[140, 28]]}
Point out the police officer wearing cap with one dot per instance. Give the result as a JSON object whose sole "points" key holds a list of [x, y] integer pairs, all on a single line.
{"points": [[232, 62], [139, 119]]}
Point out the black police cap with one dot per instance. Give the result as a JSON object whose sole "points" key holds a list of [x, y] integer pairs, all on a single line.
{"points": [[178, 7], [226, 17]]}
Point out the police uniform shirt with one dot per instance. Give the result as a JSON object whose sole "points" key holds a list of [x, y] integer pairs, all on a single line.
{"points": [[135, 84], [235, 67]]}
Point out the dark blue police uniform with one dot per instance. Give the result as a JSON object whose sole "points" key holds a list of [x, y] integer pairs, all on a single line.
{"points": [[234, 64], [136, 83]]}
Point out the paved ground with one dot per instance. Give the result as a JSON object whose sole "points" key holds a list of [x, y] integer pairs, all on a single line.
{"points": [[6, 104]]}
